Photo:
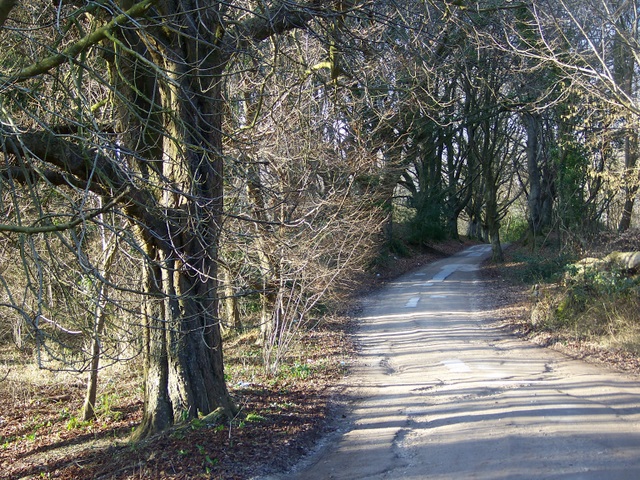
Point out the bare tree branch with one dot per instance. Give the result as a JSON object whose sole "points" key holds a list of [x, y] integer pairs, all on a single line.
{"points": [[32, 230], [99, 173], [73, 50]]}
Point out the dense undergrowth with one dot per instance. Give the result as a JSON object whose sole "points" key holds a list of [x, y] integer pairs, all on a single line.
{"points": [[578, 302]]}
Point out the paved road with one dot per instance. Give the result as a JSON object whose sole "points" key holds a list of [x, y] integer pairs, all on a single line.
{"points": [[444, 394]]}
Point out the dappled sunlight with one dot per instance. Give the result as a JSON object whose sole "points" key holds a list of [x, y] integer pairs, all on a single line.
{"points": [[446, 394]]}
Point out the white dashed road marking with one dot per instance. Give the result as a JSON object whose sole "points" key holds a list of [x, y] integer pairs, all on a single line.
{"points": [[455, 365], [413, 302]]}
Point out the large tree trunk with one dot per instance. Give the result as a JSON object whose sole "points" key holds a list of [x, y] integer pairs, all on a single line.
{"points": [[491, 212], [184, 374], [184, 371], [540, 199], [532, 125]]}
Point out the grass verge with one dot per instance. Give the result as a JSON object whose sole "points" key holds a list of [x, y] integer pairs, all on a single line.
{"points": [[591, 314]]}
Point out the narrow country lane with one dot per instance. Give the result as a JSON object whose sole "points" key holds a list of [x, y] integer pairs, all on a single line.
{"points": [[441, 393]]}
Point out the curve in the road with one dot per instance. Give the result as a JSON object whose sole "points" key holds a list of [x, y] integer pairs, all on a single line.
{"points": [[442, 393]]}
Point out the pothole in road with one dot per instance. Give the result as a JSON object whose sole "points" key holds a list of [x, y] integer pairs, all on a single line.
{"points": [[494, 389], [429, 388], [480, 393]]}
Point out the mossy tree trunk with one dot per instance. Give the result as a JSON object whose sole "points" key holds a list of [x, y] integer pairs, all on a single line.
{"points": [[159, 154], [184, 374]]}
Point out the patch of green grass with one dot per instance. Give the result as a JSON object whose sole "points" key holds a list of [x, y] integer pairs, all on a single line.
{"points": [[105, 405], [296, 370], [74, 422], [254, 417], [541, 268], [64, 414], [197, 423]]}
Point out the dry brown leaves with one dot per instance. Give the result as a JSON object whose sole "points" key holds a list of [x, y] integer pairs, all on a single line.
{"points": [[40, 436]]}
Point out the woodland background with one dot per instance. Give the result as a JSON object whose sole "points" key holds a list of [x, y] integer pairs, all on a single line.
{"points": [[184, 181]]}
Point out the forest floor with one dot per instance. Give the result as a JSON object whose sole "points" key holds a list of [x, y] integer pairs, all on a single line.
{"points": [[282, 416]]}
